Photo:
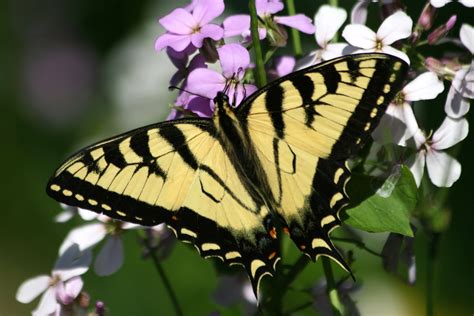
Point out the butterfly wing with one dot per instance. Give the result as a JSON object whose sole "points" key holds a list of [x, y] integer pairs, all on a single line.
{"points": [[305, 126], [176, 173]]}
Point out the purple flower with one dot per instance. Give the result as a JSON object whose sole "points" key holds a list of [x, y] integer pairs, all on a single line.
{"points": [[190, 104], [240, 24], [234, 60], [185, 28], [180, 60]]}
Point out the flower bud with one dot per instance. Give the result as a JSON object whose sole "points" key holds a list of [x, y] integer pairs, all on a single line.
{"points": [[441, 31], [425, 21], [100, 308]]}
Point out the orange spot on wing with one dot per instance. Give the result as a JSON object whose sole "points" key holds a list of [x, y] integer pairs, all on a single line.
{"points": [[273, 233], [286, 230], [272, 255]]}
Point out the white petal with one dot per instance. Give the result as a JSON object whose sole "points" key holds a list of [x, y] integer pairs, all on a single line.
{"points": [[336, 50], [395, 52], [84, 236], [417, 166], [328, 20], [420, 138], [456, 105], [397, 125], [86, 214], [426, 86], [467, 36], [31, 288], [110, 257], [467, 3], [359, 36], [451, 132], [64, 216], [464, 81], [47, 304], [72, 263], [443, 169], [395, 27], [359, 12], [439, 3]]}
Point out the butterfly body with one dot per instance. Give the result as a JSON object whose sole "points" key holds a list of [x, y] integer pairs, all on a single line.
{"points": [[224, 183]]}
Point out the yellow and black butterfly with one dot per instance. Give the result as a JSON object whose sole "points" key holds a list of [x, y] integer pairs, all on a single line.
{"points": [[223, 183]]}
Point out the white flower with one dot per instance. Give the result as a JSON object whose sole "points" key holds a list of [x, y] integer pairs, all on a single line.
{"points": [[70, 211], [443, 169], [399, 123], [110, 257], [462, 88], [442, 3], [61, 287], [327, 21], [395, 27]]}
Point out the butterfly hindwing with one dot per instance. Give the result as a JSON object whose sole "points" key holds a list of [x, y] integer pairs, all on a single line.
{"points": [[177, 173], [305, 126]]}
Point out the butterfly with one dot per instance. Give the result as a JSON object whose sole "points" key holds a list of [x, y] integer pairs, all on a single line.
{"points": [[227, 182]]}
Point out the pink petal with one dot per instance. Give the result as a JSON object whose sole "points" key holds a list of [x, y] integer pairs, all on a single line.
{"points": [[466, 34], [395, 27], [426, 86], [176, 42], [84, 236], [417, 166], [298, 21], [234, 59], [31, 288], [359, 36], [268, 7], [285, 65], [240, 92], [110, 257], [451, 132], [328, 20], [207, 10], [359, 12], [236, 25], [72, 263], [200, 106], [66, 292], [443, 169], [179, 22], [47, 304], [456, 105], [395, 52], [205, 82], [210, 30]]}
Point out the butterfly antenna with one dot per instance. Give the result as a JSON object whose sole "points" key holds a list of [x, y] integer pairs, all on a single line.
{"points": [[187, 91]]}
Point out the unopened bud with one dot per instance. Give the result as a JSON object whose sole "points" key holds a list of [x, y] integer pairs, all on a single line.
{"points": [[441, 31], [84, 300], [100, 308], [425, 21]]}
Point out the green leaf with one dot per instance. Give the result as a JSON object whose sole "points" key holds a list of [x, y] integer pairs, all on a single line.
{"points": [[386, 208]]}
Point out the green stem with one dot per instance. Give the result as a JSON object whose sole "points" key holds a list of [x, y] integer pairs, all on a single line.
{"points": [[162, 274], [295, 35], [432, 254], [357, 243], [331, 288], [260, 77], [334, 3]]}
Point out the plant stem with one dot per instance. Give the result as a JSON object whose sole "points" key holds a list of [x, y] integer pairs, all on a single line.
{"points": [[334, 3], [432, 254], [260, 77], [331, 288], [162, 274], [295, 35], [357, 243]]}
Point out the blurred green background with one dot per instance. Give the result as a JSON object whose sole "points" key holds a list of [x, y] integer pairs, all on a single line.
{"points": [[73, 72]]}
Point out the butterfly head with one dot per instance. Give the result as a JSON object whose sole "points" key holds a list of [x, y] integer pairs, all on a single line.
{"points": [[221, 104]]}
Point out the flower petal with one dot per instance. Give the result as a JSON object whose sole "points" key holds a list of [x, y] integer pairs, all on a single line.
{"points": [[86, 214], [443, 169], [205, 82], [71, 289], [359, 12], [298, 21], [234, 59], [179, 21], [395, 27], [84, 236], [72, 263], [397, 125], [213, 31], [207, 10], [359, 36], [467, 36], [47, 304], [285, 65], [176, 42], [337, 50], [464, 81], [426, 86], [200, 106], [239, 92], [417, 166], [395, 52], [456, 105], [451, 132], [236, 25], [268, 7], [31, 288], [65, 215], [439, 3], [110, 257], [328, 20], [467, 3]]}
